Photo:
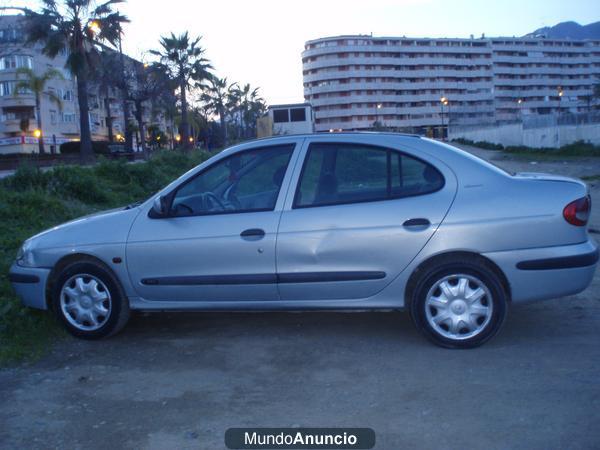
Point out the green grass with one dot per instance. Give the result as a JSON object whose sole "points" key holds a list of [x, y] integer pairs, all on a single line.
{"points": [[33, 200], [578, 149], [591, 178]]}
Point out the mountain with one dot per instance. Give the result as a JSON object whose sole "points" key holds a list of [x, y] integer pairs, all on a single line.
{"points": [[569, 30]]}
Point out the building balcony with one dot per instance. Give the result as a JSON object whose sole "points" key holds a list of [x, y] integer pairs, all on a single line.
{"points": [[8, 101]]}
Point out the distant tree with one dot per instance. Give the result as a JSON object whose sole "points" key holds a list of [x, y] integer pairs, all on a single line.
{"points": [[183, 59], [215, 97], [37, 86], [76, 26]]}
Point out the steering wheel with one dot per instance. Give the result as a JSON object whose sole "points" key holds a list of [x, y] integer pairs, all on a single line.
{"points": [[184, 206], [232, 199], [214, 200]]}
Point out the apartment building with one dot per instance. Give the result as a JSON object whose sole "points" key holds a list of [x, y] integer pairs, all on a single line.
{"points": [[422, 85], [18, 121]]}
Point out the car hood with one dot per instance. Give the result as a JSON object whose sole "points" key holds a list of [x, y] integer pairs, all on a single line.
{"points": [[106, 227]]}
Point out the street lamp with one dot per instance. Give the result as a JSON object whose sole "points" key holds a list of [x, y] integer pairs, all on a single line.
{"points": [[94, 26], [443, 102], [37, 133], [379, 106], [560, 96]]}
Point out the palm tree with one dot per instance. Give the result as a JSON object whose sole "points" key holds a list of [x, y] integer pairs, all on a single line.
{"points": [[250, 105], [149, 82], [184, 60], [37, 86], [215, 96], [107, 76], [76, 26]]}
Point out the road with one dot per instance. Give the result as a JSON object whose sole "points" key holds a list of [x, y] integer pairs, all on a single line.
{"points": [[180, 380]]}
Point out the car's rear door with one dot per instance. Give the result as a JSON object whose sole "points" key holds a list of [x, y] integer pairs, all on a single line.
{"points": [[361, 211]]}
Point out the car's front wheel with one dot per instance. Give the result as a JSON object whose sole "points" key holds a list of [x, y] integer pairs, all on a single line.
{"points": [[89, 301], [459, 303]]}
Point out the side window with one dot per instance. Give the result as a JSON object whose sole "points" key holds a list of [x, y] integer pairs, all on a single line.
{"points": [[411, 176], [349, 173], [245, 182]]}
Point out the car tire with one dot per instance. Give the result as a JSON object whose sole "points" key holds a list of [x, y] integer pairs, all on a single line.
{"points": [[459, 302], [88, 300]]}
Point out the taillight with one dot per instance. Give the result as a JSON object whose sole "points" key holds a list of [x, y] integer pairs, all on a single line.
{"points": [[578, 212]]}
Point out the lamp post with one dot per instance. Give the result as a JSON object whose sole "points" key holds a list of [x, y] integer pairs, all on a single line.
{"points": [[379, 106], [560, 96], [443, 102]]}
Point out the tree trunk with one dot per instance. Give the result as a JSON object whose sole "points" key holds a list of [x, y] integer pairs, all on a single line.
{"points": [[223, 126], [109, 123], [125, 96], [87, 153], [38, 113], [139, 115], [185, 130]]}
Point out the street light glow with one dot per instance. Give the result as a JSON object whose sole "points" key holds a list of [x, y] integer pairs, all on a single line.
{"points": [[94, 26], [37, 133]]}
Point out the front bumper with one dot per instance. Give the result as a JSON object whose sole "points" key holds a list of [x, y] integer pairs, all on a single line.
{"points": [[30, 285], [548, 272]]}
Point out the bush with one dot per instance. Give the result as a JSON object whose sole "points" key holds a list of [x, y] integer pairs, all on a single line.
{"points": [[33, 200], [480, 144], [74, 148]]}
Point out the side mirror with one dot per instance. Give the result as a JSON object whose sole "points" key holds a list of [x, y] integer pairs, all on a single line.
{"points": [[159, 208]]}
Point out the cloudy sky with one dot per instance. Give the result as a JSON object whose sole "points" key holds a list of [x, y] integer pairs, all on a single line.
{"points": [[260, 41]]}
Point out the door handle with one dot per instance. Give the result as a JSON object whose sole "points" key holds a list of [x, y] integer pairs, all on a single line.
{"points": [[418, 222], [255, 233]]}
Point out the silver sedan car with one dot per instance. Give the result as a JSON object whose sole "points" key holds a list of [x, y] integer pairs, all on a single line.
{"points": [[323, 221]]}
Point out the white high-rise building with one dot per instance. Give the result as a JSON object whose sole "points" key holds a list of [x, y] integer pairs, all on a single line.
{"points": [[421, 85]]}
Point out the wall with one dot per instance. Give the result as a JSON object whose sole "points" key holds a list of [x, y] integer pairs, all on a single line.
{"points": [[535, 132]]}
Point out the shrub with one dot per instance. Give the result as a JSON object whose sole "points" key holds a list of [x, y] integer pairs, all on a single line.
{"points": [[33, 200]]}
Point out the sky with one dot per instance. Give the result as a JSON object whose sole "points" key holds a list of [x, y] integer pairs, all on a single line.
{"points": [[260, 41]]}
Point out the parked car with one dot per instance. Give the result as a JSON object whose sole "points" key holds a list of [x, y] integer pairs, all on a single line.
{"points": [[323, 221]]}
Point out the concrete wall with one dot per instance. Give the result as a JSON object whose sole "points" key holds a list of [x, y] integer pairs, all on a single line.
{"points": [[534, 132]]}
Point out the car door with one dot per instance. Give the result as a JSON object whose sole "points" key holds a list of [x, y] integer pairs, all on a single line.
{"points": [[218, 240], [360, 213]]}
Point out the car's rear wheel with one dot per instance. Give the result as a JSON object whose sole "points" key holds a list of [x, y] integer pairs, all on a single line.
{"points": [[89, 301], [459, 303]]}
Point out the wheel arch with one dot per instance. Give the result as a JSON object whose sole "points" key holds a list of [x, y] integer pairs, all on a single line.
{"points": [[450, 256], [70, 259]]}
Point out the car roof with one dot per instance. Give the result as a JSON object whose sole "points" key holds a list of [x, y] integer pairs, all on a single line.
{"points": [[337, 133]]}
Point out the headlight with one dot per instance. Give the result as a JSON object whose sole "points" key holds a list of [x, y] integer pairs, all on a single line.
{"points": [[25, 255]]}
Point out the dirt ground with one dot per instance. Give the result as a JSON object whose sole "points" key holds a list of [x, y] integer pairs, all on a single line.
{"points": [[180, 380]]}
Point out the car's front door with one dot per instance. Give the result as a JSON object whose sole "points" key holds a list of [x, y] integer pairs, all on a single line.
{"points": [[359, 215], [218, 240]]}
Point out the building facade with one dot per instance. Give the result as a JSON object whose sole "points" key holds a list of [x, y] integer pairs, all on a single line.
{"points": [[18, 116], [422, 85]]}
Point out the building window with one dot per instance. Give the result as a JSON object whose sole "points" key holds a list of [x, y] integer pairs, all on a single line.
{"points": [[53, 117], [16, 62], [298, 115], [281, 115], [67, 95], [68, 117]]}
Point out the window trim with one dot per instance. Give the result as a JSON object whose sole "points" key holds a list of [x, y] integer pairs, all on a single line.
{"points": [[171, 195], [387, 197]]}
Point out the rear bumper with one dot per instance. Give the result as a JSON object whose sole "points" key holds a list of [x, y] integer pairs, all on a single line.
{"points": [[549, 272], [30, 285]]}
